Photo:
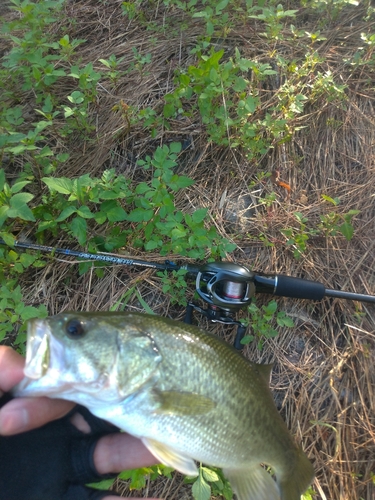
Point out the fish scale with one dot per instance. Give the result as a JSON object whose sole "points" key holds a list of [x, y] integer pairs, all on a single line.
{"points": [[187, 394]]}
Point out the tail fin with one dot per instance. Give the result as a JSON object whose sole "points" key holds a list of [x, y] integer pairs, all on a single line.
{"points": [[295, 483]]}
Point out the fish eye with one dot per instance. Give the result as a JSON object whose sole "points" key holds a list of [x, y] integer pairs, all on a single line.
{"points": [[75, 329]]}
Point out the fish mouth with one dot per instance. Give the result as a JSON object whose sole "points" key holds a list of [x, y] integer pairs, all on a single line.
{"points": [[43, 362], [38, 349]]}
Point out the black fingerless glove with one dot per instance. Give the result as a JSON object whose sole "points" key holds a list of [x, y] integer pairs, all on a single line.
{"points": [[53, 462]]}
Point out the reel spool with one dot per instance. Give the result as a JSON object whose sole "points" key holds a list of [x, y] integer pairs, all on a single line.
{"points": [[225, 285]]}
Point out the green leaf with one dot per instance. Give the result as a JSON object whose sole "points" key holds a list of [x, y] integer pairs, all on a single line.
{"points": [[247, 339], [347, 230], [62, 185], [67, 212], [201, 490], [78, 227], [300, 217], [20, 199], [285, 321], [180, 182], [334, 201], [48, 106], [3, 214], [140, 215], [220, 6], [27, 260], [144, 304], [112, 211], [44, 225], [19, 207], [8, 238], [18, 186], [102, 485], [142, 188], [29, 312], [209, 475], [85, 212], [2, 179], [351, 213], [199, 215], [151, 245], [100, 217], [209, 28], [178, 233], [116, 214], [271, 307], [169, 110]]}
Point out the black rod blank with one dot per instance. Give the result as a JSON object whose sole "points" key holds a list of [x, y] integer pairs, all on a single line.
{"points": [[93, 256]]}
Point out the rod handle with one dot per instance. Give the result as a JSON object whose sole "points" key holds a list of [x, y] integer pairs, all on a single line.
{"points": [[298, 288]]}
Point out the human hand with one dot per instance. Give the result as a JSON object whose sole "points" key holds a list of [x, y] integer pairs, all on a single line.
{"points": [[113, 451]]}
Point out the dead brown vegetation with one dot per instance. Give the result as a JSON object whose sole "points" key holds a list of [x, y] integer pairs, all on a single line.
{"points": [[324, 375]]}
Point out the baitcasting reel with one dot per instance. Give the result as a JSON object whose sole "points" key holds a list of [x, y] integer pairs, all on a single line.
{"points": [[226, 288]]}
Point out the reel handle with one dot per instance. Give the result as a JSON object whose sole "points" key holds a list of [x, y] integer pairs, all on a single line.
{"points": [[241, 330]]}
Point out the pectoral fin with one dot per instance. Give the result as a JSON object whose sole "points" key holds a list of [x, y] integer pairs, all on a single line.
{"points": [[171, 457], [252, 484], [183, 403]]}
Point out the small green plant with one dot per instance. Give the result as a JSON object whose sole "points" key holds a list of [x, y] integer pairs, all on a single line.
{"points": [[13, 203], [160, 225], [333, 223], [137, 477], [297, 237], [271, 17], [13, 310], [325, 85], [70, 205], [112, 64], [329, 9], [213, 15], [226, 99], [174, 284], [261, 320], [210, 481], [141, 60], [131, 9], [309, 494], [72, 202]]}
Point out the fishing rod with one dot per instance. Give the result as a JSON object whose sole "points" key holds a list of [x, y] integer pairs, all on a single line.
{"points": [[225, 287]]}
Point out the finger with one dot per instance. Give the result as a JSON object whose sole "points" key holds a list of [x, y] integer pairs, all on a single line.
{"points": [[24, 414], [120, 451], [11, 368]]}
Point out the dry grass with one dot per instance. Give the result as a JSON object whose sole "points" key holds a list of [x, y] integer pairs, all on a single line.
{"points": [[324, 378]]}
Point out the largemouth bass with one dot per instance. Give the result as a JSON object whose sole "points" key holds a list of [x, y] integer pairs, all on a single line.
{"points": [[184, 392]]}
